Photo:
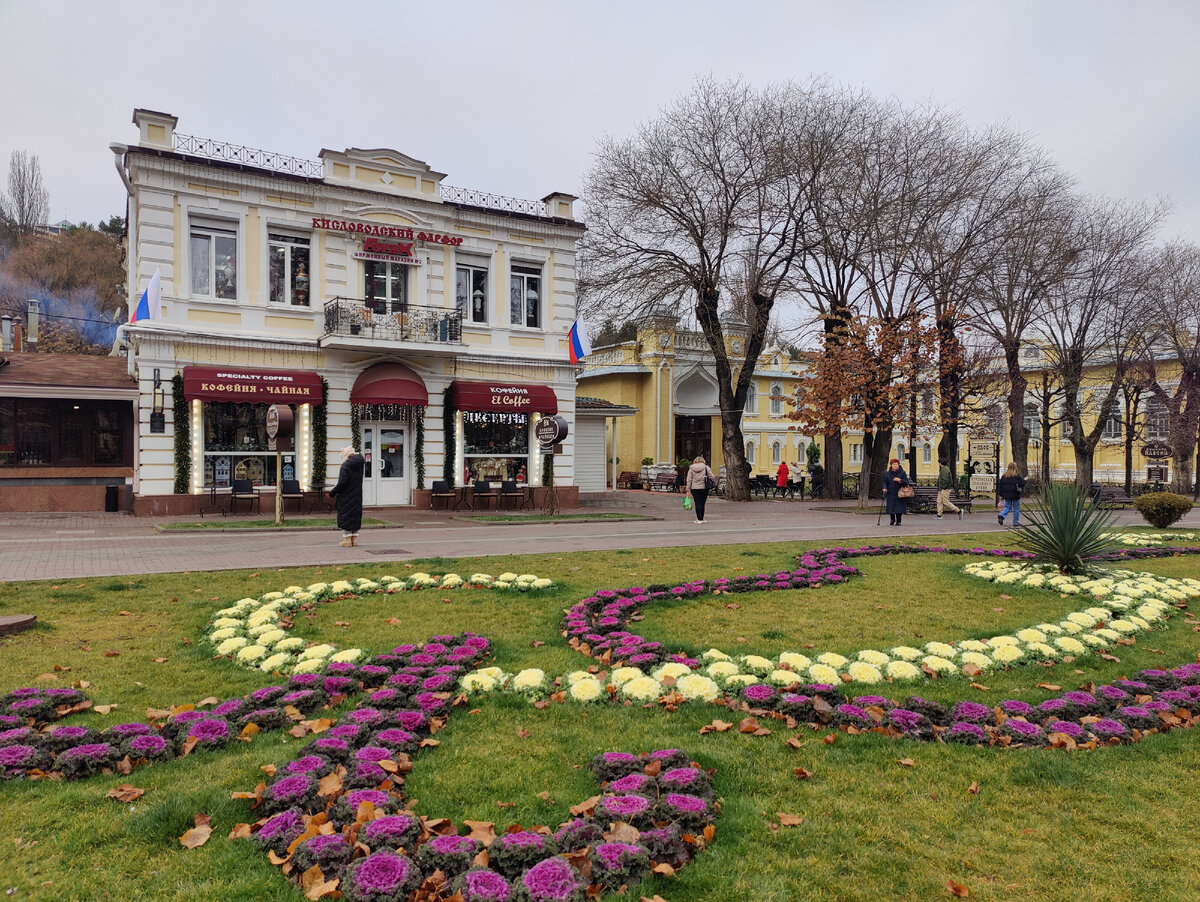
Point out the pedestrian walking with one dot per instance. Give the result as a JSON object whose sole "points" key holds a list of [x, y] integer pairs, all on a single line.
{"points": [[700, 481], [349, 495], [945, 482], [895, 480], [1009, 489]]}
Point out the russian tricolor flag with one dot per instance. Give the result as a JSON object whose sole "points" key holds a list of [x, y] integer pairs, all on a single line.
{"points": [[578, 341], [150, 304]]}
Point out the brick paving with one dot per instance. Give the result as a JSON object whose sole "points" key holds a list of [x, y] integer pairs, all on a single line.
{"points": [[73, 545]]}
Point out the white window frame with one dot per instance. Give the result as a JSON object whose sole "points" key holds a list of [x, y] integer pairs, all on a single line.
{"points": [[750, 452], [466, 306], [776, 399], [402, 277], [856, 452], [281, 238], [776, 452], [1033, 419], [927, 453], [1156, 419], [524, 272], [751, 407], [212, 230]]}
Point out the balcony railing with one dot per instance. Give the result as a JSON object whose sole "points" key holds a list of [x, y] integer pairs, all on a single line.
{"points": [[375, 321]]}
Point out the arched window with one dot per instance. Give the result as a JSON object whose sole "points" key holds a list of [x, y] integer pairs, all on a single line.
{"points": [[776, 452], [750, 453], [927, 453], [751, 408], [901, 451], [802, 453], [776, 399]]}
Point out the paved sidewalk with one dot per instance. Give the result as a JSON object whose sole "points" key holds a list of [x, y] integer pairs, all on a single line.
{"points": [[73, 545]]}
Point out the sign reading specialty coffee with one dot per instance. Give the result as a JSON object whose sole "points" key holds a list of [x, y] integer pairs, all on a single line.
{"points": [[251, 386], [550, 430]]}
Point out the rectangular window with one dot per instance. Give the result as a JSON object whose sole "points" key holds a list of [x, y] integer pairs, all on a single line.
{"points": [[525, 296], [214, 262], [1112, 426], [927, 453], [385, 286], [65, 433], [496, 446], [289, 270], [1156, 420], [470, 291], [235, 444], [856, 452]]}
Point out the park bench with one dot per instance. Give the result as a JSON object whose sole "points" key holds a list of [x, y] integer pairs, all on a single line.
{"points": [[925, 500], [1110, 496], [664, 482], [794, 487], [762, 485], [629, 479]]}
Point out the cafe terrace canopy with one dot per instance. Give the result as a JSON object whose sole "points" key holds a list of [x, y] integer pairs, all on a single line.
{"points": [[389, 383]]}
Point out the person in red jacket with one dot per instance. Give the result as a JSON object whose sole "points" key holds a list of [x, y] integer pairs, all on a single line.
{"points": [[781, 475]]}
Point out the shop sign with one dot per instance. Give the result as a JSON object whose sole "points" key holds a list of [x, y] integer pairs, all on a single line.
{"points": [[983, 482], [981, 451], [387, 252], [384, 231], [1156, 450], [550, 430], [279, 427], [251, 386]]}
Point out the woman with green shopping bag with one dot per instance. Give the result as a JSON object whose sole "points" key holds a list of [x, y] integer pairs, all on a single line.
{"points": [[699, 481]]}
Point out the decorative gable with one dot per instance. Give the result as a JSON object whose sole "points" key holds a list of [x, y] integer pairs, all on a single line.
{"points": [[383, 170]]}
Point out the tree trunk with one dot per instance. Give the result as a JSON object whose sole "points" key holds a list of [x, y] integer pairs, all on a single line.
{"points": [[733, 448], [834, 465], [1018, 433]]}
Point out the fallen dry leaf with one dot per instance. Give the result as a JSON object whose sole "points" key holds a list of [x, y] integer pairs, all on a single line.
{"points": [[789, 820], [126, 792], [802, 773], [161, 660], [829, 738], [104, 709], [980, 687], [906, 762], [522, 734], [957, 889], [973, 789], [199, 834], [1050, 687]]}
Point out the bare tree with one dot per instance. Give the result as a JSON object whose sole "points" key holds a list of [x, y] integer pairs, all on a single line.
{"points": [[1174, 341], [26, 207], [1010, 293], [1096, 316], [709, 192]]}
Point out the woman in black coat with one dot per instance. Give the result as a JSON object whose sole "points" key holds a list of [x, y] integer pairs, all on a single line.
{"points": [[893, 479], [349, 495]]}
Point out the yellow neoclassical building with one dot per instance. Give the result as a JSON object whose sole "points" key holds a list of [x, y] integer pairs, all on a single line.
{"points": [[666, 376]]}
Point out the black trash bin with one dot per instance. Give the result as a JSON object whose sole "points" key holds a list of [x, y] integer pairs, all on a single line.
{"points": [[110, 498]]}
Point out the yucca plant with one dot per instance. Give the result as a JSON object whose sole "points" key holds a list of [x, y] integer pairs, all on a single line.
{"points": [[1067, 530]]}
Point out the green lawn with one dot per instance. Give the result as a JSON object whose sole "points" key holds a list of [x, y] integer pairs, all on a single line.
{"points": [[1114, 824]]}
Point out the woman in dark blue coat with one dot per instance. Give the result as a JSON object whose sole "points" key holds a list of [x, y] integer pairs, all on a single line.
{"points": [[894, 478], [349, 495]]}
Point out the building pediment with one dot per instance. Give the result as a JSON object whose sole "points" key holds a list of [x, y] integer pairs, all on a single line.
{"points": [[384, 170]]}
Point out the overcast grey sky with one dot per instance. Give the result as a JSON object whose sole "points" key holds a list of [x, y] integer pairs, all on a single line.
{"points": [[510, 97]]}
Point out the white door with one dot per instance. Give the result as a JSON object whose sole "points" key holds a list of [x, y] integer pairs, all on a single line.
{"points": [[386, 480]]}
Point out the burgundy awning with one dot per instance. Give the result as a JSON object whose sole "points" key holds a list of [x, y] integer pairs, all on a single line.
{"points": [[500, 397], [389, 383], [251, 386]]}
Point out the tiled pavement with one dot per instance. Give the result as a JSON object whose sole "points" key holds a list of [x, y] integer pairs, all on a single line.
{"points": [[72, 545]]}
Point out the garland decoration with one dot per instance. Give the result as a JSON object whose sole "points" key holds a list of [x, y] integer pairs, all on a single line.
{"points": [[419, 453], [183, 437], [320, 439], [355, 429], [448, 473]]}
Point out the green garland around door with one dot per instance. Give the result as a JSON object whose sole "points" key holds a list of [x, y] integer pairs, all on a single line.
{"points": [[320, 439], [419, 456], [183, 437], [448, 441]]}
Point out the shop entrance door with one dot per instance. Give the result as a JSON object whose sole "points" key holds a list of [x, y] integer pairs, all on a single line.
{"points": [[386, 478]]}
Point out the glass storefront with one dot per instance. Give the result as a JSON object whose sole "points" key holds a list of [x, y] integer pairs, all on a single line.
{"points": [[235, 445], [495, 446], [65, 433]]}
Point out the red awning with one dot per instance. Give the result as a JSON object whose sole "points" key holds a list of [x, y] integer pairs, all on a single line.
{"points": [[389, 383], [507, 398], [251, 386]]}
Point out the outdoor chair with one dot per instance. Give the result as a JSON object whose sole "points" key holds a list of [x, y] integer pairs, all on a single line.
{"points": [[442, 490], [510, 489], [484, 493], [290, 491], [244, 489]]}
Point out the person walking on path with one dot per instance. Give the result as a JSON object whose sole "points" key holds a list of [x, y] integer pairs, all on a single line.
{"points": [[894, 479], [699, 480], [349, 495], [945, 482], [1009, 489], [781, 476]]}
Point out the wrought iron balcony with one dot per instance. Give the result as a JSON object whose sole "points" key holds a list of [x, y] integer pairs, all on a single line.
{"points": [[376, 321]]}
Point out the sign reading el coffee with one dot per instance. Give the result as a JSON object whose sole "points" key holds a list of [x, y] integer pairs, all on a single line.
{"points": [[384, 231]]}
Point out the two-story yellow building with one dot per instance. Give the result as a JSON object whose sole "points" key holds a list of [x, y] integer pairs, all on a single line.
{"points": [[432, 320]]}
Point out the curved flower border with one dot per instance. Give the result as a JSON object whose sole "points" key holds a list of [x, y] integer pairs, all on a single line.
{"points": [[646, 670], [254, 632]]}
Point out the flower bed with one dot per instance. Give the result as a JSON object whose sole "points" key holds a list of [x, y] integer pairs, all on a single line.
{"points": [[254, 632]]}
